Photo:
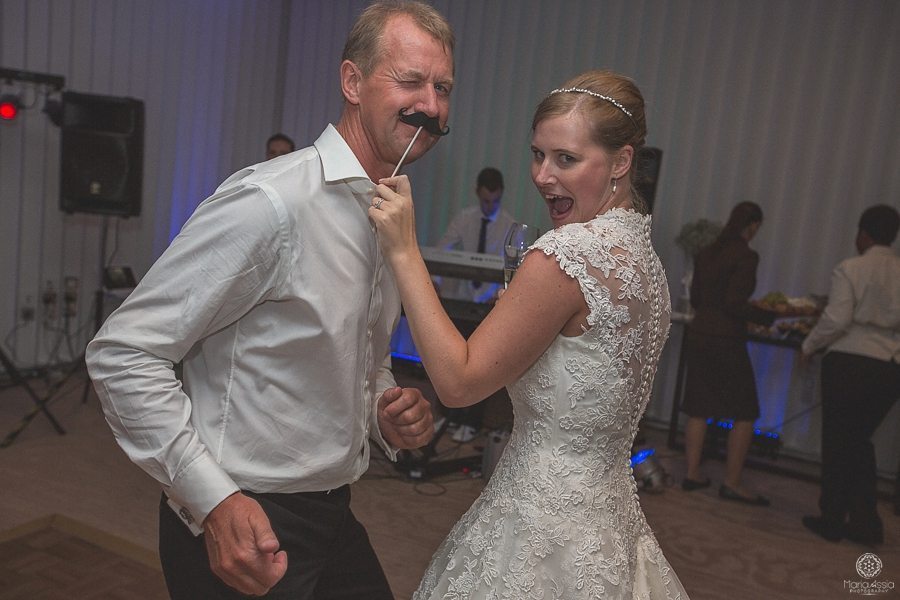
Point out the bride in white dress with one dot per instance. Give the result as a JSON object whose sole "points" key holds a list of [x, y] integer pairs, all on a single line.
{"points": [[576, 338]]}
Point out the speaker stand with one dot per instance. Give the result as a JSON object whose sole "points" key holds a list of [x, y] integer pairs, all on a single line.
{"points": [[40, 403], [98, 298], [77, 364]]}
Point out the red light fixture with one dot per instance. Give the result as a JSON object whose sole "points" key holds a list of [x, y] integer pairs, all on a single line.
{"points": [[9, 107]]}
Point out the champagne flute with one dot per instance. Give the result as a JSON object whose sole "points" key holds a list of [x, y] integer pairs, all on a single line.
{"points": [[518, 239]]}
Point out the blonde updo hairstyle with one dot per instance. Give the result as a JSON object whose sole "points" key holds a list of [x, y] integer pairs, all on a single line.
{"points": [[611, 128]]}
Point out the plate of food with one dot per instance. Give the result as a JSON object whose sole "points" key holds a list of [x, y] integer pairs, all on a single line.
{"points": [[787, 306], [796, 329]]}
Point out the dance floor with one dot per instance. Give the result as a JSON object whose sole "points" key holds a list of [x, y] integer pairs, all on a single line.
{"points": [[719, 549]]}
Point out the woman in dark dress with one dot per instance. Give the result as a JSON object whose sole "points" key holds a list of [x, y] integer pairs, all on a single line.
{"points": [[720, 381]]}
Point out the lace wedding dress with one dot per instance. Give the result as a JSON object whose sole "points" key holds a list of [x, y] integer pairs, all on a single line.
{"points": [[560, 518]]}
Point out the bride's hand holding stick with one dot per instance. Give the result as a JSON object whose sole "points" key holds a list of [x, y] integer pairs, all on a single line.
{"points": [[394, 217]]}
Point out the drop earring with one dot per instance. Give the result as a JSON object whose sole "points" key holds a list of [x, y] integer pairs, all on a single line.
{"points": [[614, 182]]}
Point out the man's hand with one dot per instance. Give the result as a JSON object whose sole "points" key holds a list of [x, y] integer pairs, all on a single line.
{"points": [[803, 360], [243, 550], [404, 418]]}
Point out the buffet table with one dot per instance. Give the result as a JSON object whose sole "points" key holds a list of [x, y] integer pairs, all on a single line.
{"points": [[791, 342]]}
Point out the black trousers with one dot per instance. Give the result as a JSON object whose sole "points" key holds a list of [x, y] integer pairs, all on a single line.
{"points": [[857, 393], [328, 550]]}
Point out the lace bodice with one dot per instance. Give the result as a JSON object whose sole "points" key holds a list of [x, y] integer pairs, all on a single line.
{"points": [[560, 517]]}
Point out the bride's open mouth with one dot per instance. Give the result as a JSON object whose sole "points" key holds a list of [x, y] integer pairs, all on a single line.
{"points": [[560, 206]]}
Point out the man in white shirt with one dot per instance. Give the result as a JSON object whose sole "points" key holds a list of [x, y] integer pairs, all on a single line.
{"points": [[482, 229], [860, 327], [276, 297]]}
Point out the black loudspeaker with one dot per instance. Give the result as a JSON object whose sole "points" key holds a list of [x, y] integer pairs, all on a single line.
{"points": [[646, 173], [102, 154]]}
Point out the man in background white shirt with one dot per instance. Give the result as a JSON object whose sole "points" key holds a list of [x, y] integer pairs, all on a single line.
{"points": [[860, 327], [482, 229], [276, 297]]}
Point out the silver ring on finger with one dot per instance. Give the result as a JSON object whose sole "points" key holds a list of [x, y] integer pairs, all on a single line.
{"points": [[378, 203]]}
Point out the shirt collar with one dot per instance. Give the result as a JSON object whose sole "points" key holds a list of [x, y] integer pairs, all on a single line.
{"points": [[340, 164], [879, 249], [491, 217]]}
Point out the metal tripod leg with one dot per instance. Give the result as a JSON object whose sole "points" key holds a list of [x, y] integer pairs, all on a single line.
{"points": [[27, 419], [40, 403]]}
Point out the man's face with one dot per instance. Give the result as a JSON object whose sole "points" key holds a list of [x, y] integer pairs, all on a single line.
{"points": [[488, 200], [415, 74], [277, 148]]}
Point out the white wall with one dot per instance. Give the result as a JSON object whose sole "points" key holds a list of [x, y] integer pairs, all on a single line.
{"points": [[789, 103], [199, 66]]}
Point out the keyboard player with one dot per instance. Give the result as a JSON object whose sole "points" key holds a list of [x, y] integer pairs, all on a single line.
{"points": [[480, 229]]}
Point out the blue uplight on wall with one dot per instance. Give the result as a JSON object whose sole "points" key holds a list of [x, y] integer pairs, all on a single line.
{"points": [[409, 357], [402, 345]]}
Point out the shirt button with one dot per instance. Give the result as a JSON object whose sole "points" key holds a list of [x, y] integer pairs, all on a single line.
{"points": [[369, 333]]}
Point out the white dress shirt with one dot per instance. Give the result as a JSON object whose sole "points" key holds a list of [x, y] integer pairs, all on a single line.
{"points": [[863, 312], [462, 234], [276, 296]]}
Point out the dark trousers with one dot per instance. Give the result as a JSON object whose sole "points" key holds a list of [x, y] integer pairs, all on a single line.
{"points": [[328, 550], [857, 393]]}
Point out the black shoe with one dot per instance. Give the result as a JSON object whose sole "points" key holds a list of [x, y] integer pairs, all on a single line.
{"points": [[689, 485], [823, 528], [726, 493]]}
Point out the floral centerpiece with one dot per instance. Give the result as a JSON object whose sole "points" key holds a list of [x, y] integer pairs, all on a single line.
{"points": [[692, 238], [696, 235]]}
